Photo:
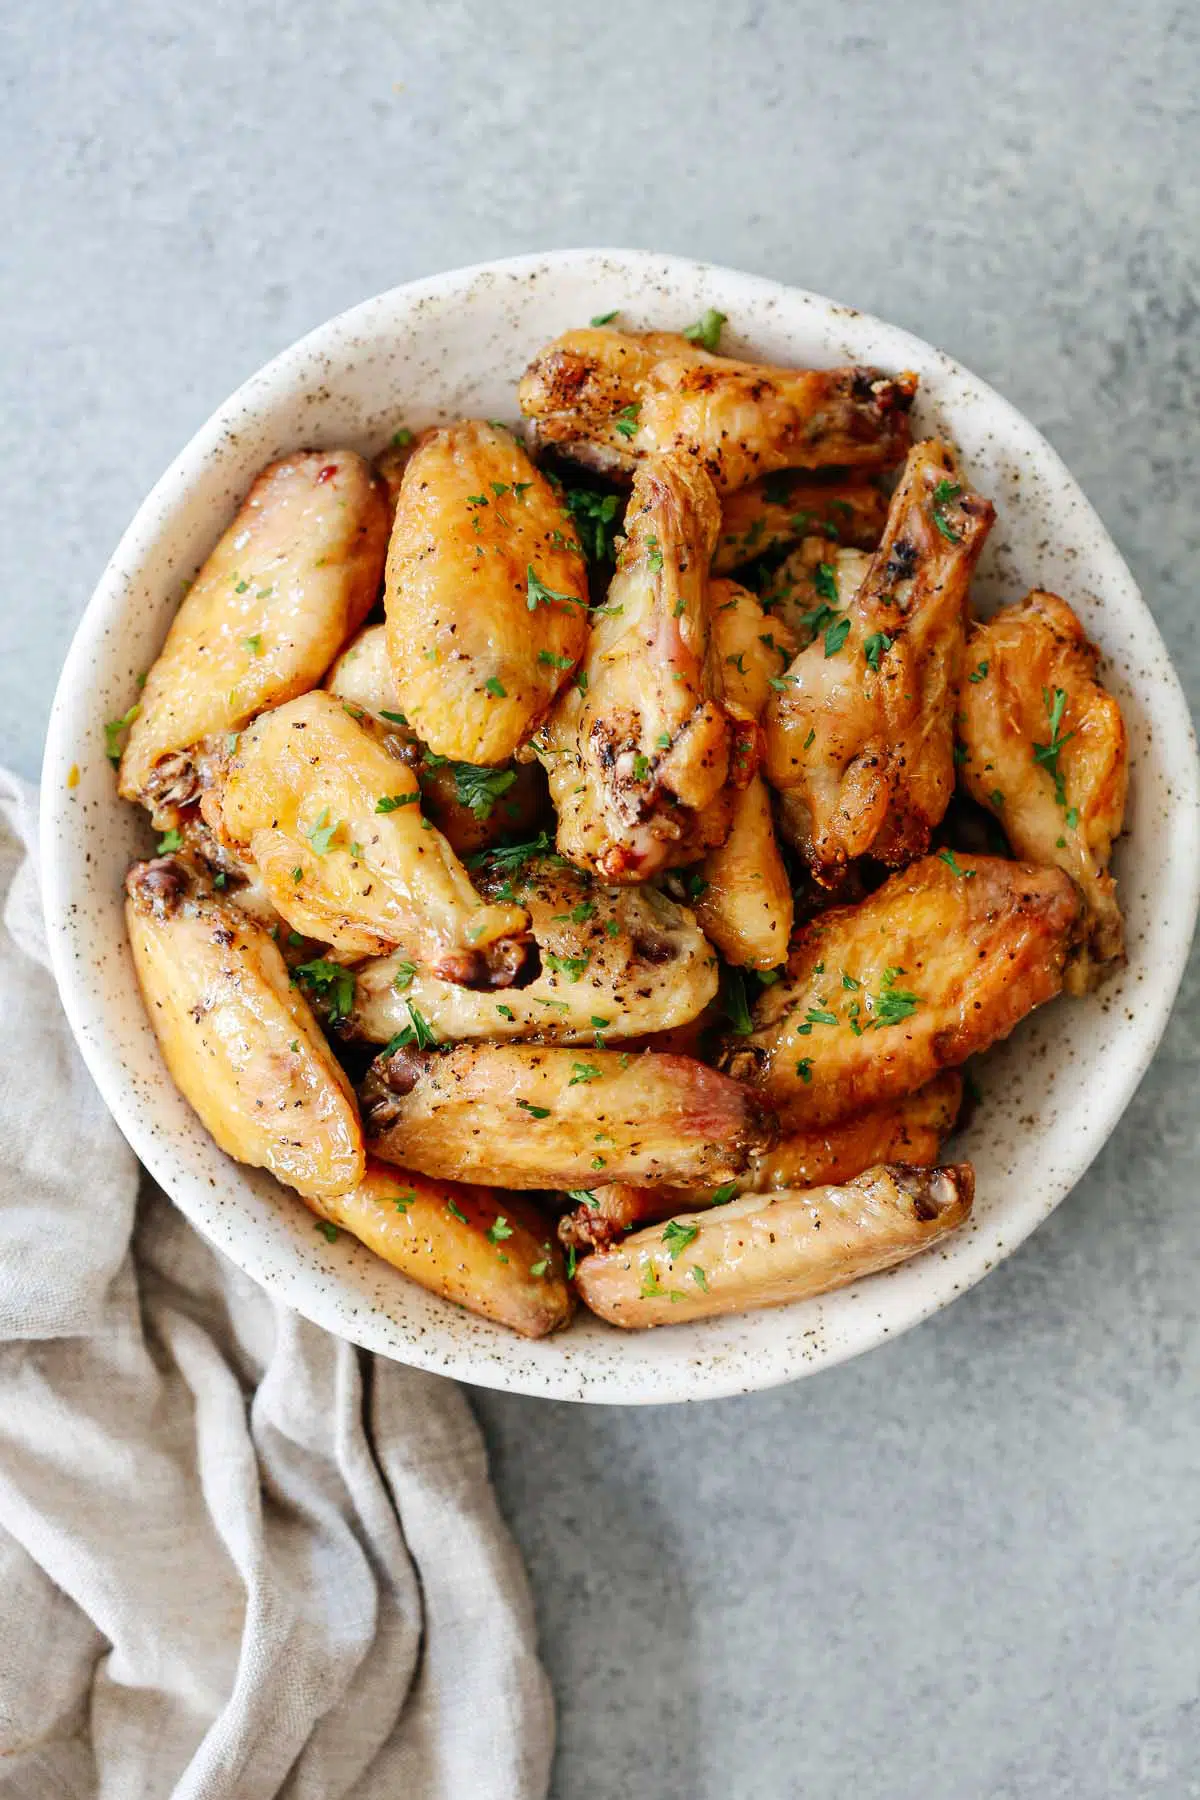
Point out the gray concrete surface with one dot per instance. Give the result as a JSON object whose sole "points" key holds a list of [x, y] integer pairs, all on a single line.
{"points": [[966, 1565]]}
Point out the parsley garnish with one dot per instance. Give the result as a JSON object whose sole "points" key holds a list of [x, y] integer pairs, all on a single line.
{"points": [[699, 1277], [388, 803], [402, 438], [509, 857], [892, 1005], [731, 998], [323, 833], [538, 1112], [1047, 754], [403, 978], [112, 733], [707, 329], [329, 979], [327, 1230], [418, 1032], [978, 674], [652, 1287], [402, 1202], [500, 1230], [393, 718], [626, 420], [583, 1197], [570, 966], [551, 661], [804, 1068], [951, 862], [836, 635], [506, 1012], [539, 1268], [538, 594], [725, 1193], [480, 788], [877, 645], [943, 494], [253, 644], [455, 1213], [596, 521], [654, 561], [495, 688], [169, 841], [677, 1237], [641, 768], [583, 1072], [605, 318]]}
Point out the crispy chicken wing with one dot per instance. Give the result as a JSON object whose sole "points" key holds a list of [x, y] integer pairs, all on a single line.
{"points": [[941, 961], [487, 593], [637, 749], [294, 574], [471, 805], [1044, 749], [814, 578], [860, 740], [333, 825], [240, 1041], [490, 1252], [769, 1249], [609, 398], [616, 962], [521, 1117], [791, 504]]}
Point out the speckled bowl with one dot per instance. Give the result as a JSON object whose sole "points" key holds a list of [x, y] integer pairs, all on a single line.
{"points": [[456, 344]]}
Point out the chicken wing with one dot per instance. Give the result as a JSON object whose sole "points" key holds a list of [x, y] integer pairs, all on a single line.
{"points": [[637, 749], [1043, 748], [941, 961], [860, 739], [294, 574], [769, 1249], [608, 399], [781, 508], [489, 1252], [471, 805], [333, 824], [240, 1041], [487, 593], [813, 579], [743, 897], [616, 962], [520, 1117]]}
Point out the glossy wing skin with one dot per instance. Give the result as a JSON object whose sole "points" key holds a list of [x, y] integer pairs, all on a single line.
{"points": [[241, 1043], [472, 1245], [637, 750], [486, 594], [609, 399], [937, 964], [860, 741], [301, 799], [816, 575], [782, 508], [1057, 785], [616, 963], [293, 575], [770, 1249], [910, 1130], [745, 903], [520, 1117], [472, 806]]}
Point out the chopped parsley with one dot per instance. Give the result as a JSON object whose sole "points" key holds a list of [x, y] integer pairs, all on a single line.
{"points": [[605, 318], [402, 1202], [583, 1072], [510, 857], [626, 421], [952, 863], [877, 645], [699, 1277], [388, 803], [253, 644], [678, 1236], [456, 1213], [943, 494], [892, 1005], [495, 688], [402, 438], [331, 981], [725, 1193], [825, 582], [537, 1112], [327, 1230], [836, 635], [654, 561], [499, 1230], [978, 674], [804, 1068], [539, 1268], [506, 1012], [707, 329], [550, 660], [393, 718], [596, 520], [584, 1197], [570, 966], [641, 768], [418, 1031], [652, 1288], [479, 788], [323, 833], [403, 978], [168, 842], [731, 998], [538, 594], [1047, 754], [113, 730]]}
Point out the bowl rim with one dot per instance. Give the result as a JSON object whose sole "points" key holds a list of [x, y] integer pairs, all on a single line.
{"points": [[676, 1380]]}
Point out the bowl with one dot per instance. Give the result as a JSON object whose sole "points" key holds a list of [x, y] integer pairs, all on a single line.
{"points": [[455, 344]]}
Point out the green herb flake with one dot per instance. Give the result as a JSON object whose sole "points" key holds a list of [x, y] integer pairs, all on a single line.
{"points": [[403, 978], [402, 438], [333, 983], [550, 660], [707, 329], [641, 768], [499, 1230], [725, 1193], [1047, 754], [479, 788], [943, 495], [540, 1268], [169, 842], [597, 520], [836, 635], [678, 1236], [455, 1213], [626, 421], [537, 1112], [327, 1230], [605, 318], [495, 688], [876, 646], [804, 1069], [951, 861], [253, 644], [393, 718], [699, 1277], [389, 803], [538, 594], [112, 733], [506, 1012], [323, 833], [979, 672]]}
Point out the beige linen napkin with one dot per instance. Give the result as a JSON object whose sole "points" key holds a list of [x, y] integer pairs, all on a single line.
{"points": [[238, 1557]]}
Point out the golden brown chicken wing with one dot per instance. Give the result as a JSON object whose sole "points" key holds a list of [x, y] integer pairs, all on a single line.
{"points": [[1043, 748], [487, 593], [941, 961], [519, 1117], [239, 1039], [333, 824], [637, 749], [293, 575], [769, 1249], [789, 505], [860, 734], [609, 398]]}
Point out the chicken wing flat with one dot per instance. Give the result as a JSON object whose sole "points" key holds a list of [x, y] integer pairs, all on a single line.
{"points": [[518, 1117], [608, 399], [616, 962], [333, 824], [294, 574], [240, 1041], [782, 508], [860, 739], [486, 595], [1044, 749], [637, 749], [941, 961], [769, 1249], [743, 897], [491, 1253], [471, 805]]}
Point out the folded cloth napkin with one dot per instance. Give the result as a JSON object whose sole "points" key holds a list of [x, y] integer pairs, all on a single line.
{"points": [[238, 1557]]}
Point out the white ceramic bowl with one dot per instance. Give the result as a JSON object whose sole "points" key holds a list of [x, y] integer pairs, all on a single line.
{"points": [[455, 345]]}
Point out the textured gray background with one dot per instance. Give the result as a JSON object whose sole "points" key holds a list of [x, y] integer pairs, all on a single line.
{"points": [[967, 1564]]}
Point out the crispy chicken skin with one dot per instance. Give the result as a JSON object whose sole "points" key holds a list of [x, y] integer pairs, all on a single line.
{"points": [[486, 595], [860, 741], [610, 398], [472, 1245], [616, 963], [769, 1249], [938, 963], [782, 508], [552, 1118], [1052, 770], [471, 806], [744, 904], [795, 592], [333, 824], [241, 1043], [638, 749], [293, 575]]}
